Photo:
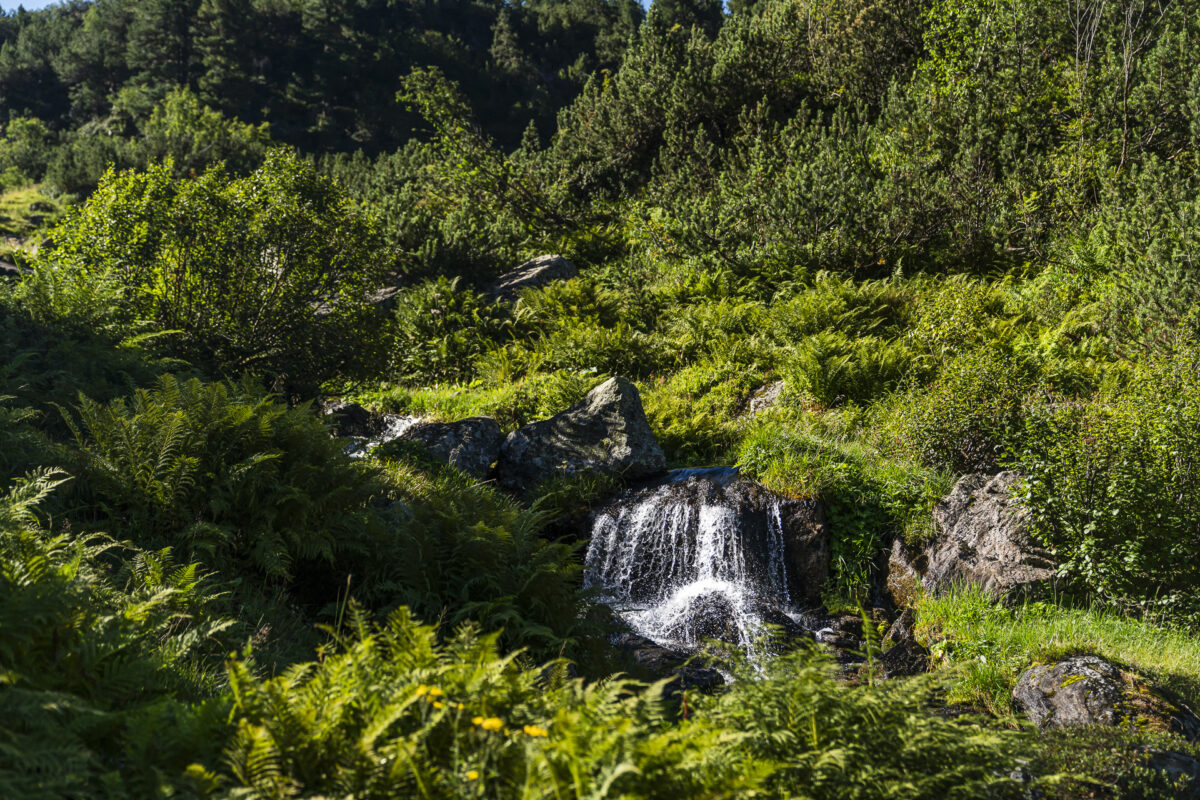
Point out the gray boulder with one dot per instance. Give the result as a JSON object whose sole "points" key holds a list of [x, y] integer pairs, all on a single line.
{"points": [[982, 538], [533, 273], [765, 398], [471, 445], [1087, 690], [607, 431], [351, 419]]}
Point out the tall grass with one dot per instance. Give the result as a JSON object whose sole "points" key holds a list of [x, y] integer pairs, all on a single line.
{"points": [[989, 644]]}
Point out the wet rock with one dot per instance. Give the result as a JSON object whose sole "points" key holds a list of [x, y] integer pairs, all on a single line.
{"points": [[982, 538], [471, 445], [712, 525], [658, 662], [902, 653], [1087, 690], [765, 398], [605, 432], [351, 419], [532, 274], [41, 207]]}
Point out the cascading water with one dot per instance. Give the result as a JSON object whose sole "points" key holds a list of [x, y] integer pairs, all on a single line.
{"points": [[394, 425], [703, 554]]}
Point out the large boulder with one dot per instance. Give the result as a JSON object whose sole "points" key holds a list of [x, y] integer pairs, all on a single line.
{"points": [[533, 273], [607, 432], [982, 538], [1087, 690], [352, 420], [471, 445]]}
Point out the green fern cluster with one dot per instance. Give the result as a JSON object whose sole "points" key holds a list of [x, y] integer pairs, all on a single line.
{"points": [[458, 551], [97, 640], [223, 472]]}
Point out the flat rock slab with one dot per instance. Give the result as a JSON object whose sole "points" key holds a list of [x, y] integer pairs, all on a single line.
{"points": [[605, 432], [530, 275], [1087, 690]]}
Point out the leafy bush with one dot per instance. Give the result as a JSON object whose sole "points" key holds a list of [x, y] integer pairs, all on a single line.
{"points": [[223, 473], [968, 417], [830, 740], [868, 501], [1112, 486], [691, 412], [269, 273], [441, 330], [395, 712]]}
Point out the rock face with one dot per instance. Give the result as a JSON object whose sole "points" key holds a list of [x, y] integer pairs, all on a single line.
{"points": [[902, 653], [471, 445], [1087, 690], [605, 432], [533, 273], [982, 538]]}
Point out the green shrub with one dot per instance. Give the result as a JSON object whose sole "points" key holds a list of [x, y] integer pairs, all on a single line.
{"points": [[967, 418], [829, 740], [512, 404], [579, 345], [989, 644], [1112, 486], [269, 273], [97, 652], [223, 473], [692, 412], [440, 330], [868, 501], [396, 713]]}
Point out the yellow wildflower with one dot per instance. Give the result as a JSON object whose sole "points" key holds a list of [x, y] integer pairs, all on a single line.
{"points": [[476, 720], [436, 704], [421, 690], [458, 706], [436, 692], [534, 730], [472, 775], [492, 724]]}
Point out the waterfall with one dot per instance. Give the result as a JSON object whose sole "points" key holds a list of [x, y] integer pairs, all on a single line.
{"points": [[393, 426], [702, 554]]}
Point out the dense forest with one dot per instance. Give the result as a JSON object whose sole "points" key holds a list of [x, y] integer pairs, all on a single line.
{"points": [[340, 338]]}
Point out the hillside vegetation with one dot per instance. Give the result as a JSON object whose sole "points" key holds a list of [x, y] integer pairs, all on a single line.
{"points": [[958, 236]]}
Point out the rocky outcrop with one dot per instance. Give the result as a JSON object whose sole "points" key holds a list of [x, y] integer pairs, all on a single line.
{"points": [[982, 538], [471, 445], [532, 274], [605, 432], [1087, 690]]}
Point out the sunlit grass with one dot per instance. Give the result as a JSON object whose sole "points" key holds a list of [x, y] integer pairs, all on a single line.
{"points": [[989, 645]]}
